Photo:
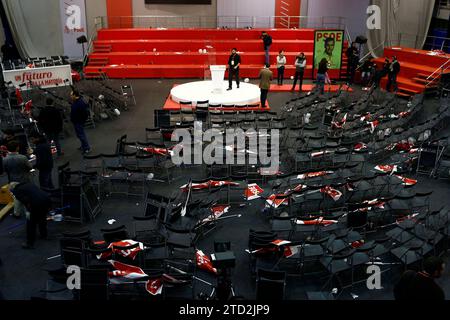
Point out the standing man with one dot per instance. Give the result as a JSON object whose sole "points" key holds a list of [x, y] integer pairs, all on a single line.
{"points": [[421, 285], [300, 65], [38, 204], [352, 62], [51, 121], [281, 63], [17, 167], [44, 160], [233, 68], [78, 115], [393, 72], [265, 76], [267, 41]]}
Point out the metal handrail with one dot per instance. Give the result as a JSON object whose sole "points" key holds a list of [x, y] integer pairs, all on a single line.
{"points": [[371, 52], [238, 22], [441, 69]]}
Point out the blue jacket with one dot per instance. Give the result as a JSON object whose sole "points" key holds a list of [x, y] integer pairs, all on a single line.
{"points": [[79, 111]]}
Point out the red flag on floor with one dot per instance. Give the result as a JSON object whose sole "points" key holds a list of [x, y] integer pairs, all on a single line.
{"points": [[387, 168], [131, 253], [216, 212], [407, 181], [154, 287], [253, 191], [275, 200], [319, 221], [208, 184], [290, 251], [314, 174], [204, 262], [333, 193], [126, 271], [360, 146]]}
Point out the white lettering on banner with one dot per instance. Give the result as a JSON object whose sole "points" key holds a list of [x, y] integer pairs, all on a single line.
{"points": [[47, 77]]}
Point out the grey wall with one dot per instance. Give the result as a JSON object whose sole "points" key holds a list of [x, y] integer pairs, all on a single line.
{"points": [[94, 8], [353, 10], [246, 9], [141, 9]]}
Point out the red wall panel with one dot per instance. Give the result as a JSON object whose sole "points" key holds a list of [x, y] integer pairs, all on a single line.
{"points": [[284, 9], [119, 13]]}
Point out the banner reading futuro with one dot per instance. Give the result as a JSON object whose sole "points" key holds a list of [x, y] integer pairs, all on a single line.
{"points": [[328, 44]]}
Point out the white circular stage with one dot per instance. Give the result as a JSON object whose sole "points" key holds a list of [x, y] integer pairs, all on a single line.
{"points": [[203, 90]]}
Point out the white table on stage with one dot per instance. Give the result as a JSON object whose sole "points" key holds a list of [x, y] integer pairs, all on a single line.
{"points": [[217, 75]]}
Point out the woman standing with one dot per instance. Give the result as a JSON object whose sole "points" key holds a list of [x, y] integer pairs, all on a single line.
{"points": [[300, 65], [322, 75], [281, 62]]}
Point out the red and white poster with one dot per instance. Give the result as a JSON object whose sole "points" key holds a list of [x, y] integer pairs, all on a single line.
{"points": [[46, 77]]}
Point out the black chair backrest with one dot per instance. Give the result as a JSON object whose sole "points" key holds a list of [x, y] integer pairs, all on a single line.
{"points": [[270, 285], [94, 284], [222, 246]]}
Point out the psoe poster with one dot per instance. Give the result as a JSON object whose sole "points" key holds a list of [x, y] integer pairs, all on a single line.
{"points": [[328, 44]]}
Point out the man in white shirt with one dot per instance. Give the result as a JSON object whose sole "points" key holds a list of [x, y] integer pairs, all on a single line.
{"points": [[281, 62]]}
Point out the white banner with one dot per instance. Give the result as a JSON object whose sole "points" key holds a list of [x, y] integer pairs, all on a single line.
{"points": [[73, 23], [47, 77]]}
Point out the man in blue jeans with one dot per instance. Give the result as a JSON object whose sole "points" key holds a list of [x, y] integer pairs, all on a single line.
{"points": [[79, 113], [267, 40]]}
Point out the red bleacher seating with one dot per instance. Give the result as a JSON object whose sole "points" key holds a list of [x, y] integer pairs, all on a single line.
{"points": [[416, 67], [174, 53]]}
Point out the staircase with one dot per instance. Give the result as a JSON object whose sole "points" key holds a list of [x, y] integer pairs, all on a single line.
{"points": [[420, 70], [102, 48], [96, 72]]}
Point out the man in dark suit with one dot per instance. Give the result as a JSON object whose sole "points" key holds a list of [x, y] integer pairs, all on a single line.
{"points": [[79, 114], [267, 41], [51, 121], [265, 76], [393, 72], [352, 62], [38, 204], [44, 160], [421, 285], [233, 68]]}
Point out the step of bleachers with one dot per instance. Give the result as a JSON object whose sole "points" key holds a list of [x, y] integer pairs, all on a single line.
{"points": [[174, 53], [416, 56], [165, 45], [117, 58], [203, 34], [186, 71]]}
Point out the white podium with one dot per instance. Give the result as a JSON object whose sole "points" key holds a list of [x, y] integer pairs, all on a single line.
{"points": [[217, 75]]}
